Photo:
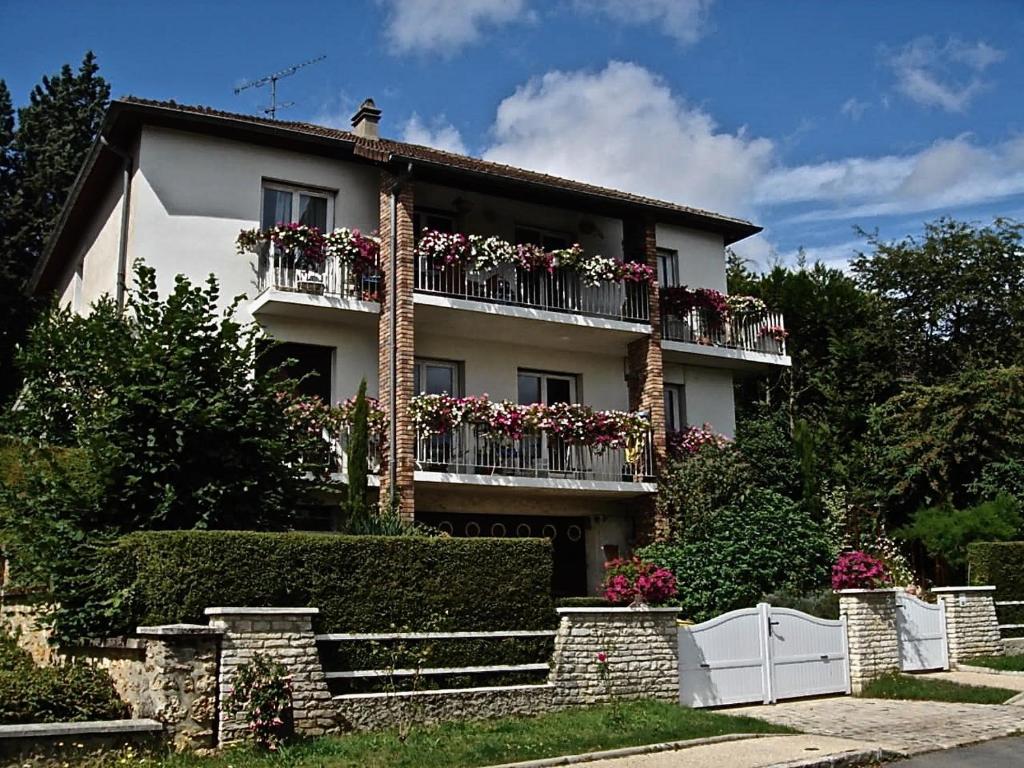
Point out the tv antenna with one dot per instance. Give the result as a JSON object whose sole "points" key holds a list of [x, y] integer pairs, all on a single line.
{"points": [[272, 80]]}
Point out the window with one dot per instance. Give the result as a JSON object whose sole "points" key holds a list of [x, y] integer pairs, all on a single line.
{"points": [[440, 221], [293, 205], [311, 364], [437, 377], [547, 388], [547, 239], [668, 267], [675, 407]]}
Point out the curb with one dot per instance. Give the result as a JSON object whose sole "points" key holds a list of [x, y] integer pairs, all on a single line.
{"points": [[645, 749], [987, 670], [871, 756], [1016, 701]]}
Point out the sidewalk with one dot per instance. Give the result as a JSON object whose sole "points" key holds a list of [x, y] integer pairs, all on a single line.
{"points": [[759, 752], [987, 680]]}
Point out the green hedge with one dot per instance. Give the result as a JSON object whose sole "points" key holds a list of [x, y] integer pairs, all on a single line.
{"points": [[73, 692], [999, 563], [359, 583]]}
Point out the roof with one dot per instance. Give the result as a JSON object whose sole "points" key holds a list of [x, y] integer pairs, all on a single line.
{"points": [[125, 116]]}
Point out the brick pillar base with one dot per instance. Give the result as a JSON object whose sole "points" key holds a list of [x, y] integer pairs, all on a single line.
{"points": [[641, 646], [871, 631], [284, 635], [972, 628]]}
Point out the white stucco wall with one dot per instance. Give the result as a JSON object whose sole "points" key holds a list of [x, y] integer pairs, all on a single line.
{"points": [[492, 368], [701, 255], [709, 395], [487, 215], [194, 193]]}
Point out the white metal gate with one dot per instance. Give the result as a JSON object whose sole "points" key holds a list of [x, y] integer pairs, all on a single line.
{"points": [[761, 654], [921, 629]]}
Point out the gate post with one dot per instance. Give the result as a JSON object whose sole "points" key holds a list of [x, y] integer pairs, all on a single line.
{"points": [[871, 633], [972, 628]]}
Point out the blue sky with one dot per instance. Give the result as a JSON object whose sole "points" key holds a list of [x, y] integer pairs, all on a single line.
{"points": [[808, 117]]}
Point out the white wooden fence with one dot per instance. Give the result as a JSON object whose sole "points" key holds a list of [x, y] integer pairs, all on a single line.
{"points": [[921, 631]]}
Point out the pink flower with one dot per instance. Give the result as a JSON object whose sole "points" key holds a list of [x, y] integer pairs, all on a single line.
{"points": [[602, 657]]}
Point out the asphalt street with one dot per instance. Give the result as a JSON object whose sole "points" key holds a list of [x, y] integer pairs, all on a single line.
{"points": [[999, 753]]}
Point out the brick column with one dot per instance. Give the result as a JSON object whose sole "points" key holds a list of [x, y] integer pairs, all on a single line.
{"points": [[402, 391], [972, 628], [284, 635], [645, 370], [871, 633], [641, 646]]}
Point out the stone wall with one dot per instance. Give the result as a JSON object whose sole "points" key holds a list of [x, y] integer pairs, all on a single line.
{"points": [[20, 619], [871, 633], [284, 635], [972, 628], [640, 648], [369, 711]]}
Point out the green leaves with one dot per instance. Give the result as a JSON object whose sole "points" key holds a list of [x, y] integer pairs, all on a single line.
{"points": [[946, 532]]}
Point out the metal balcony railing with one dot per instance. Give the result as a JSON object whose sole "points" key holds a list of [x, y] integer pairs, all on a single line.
{"points": [[562, 290], [761, 334], [472, 450], [284, 271]]}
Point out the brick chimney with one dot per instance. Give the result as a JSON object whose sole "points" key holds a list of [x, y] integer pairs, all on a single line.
{"points": [[365, 122]]}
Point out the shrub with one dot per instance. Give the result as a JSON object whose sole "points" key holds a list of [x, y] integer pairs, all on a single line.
{"points": [[262, 692], [759, 543], [1000, 564], [823, 603], [859, 570], [696, 487], [31, 694], [359, 583], [635, 581]]}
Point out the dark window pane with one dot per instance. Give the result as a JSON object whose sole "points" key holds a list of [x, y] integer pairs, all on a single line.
{"points": [[277, 208], [440, 380], [529, 388], [313, 212], [559, 391], [308, 362], [554, 243], [525, 236]]}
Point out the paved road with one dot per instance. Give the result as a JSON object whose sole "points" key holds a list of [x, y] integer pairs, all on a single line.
{"points": [[904, 727], [1001, 753]]}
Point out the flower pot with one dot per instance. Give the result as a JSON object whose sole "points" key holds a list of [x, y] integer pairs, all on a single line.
{"points": [[314, 288]]}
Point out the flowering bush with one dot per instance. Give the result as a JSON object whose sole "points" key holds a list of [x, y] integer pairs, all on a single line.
{"points": [[686, 442], [485, 254], [740, 306], [717, 306], [342, 415], [573, 423], [313, 248], [859, 570], [262, 693], [774, 332], [635, 581]]}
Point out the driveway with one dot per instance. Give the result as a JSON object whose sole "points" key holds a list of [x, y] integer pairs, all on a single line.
{"points": [[905, 727]]}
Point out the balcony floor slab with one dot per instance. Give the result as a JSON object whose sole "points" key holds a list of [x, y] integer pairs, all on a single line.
{"points": [[710, 356], [308, 306], [537, 485]]}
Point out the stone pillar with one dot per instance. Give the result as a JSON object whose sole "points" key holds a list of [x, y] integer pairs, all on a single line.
{"points": [[179, 682], [871, 632], [972, 628], [402, 389], [645, 375], [641, 655], [284, 635]]}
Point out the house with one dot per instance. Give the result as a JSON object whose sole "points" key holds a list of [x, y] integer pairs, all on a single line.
{"points": [[175, 185]]}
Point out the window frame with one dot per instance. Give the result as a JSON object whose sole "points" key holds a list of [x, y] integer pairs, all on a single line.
{"points": [[666, 256], [676, 420], [421, 364], [419, 215], [543, 232], [296, 191], [544, 376]]}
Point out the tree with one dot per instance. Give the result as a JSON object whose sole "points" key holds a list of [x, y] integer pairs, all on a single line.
{"points": [[358, 452], [162, 399], [42, 158]]}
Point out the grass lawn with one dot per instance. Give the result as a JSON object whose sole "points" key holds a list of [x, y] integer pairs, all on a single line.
{"points": [[903, 687], [1005, 663], [494, 741]]}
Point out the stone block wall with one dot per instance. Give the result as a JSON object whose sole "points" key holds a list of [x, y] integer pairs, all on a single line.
{"points": [[871, 633], [284, 635], [641, 647], [972, 628]]}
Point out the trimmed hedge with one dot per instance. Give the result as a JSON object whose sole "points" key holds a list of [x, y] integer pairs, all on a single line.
{"points": [[359, 583], [72, 692], [999, 563]]}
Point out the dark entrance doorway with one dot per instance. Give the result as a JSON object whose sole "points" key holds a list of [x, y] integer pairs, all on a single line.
{"points": [[567, 534]]}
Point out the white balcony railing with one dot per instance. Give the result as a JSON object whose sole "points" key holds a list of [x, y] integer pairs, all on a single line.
{"points": [[562, 290], [471, 450], [283, 271], [761, 334]]}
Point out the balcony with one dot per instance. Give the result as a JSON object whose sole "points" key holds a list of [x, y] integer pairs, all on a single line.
{"points": [[562, 290], [334, 278]]}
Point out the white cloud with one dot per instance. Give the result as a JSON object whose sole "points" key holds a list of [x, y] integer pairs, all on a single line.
{"points": [[684, 20], [946, 76], [623, 127], [854, 108], [445, 26], [440, 134]]}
